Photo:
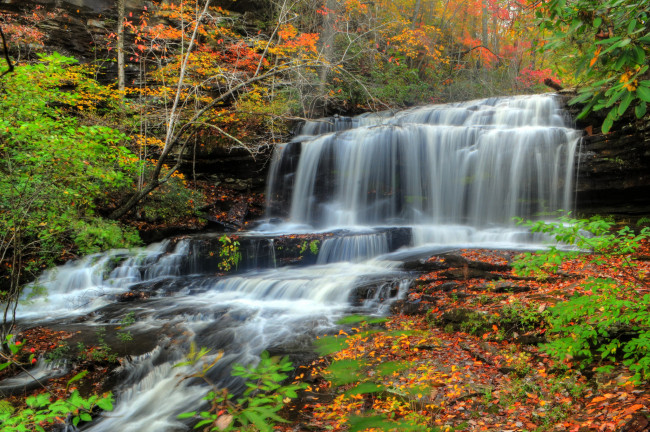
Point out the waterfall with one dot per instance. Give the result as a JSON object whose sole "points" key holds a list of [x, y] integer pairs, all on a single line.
{"points": [[353, 248], [428, 177], [475, 164]]}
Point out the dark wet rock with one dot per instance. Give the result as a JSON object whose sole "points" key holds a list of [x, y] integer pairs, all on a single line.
{"points": [[449, 287], [379, 289], [638, 423], [468, 273], [410, 308], [398, 237], [33, 378], [530, 339], [501, 287], [457, 316], [424, 266], [614, 176]]}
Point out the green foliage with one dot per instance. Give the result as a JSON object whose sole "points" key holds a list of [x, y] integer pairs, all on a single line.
{"points": [[401, 85], [101, 234], [367, 377], [264, 396], [41, 412], [520, 317], [595, 234], [229, 253], [312, 245], [62, 351], [12, 356], [610, 41], [55, 171], [607, 320], [128, 320], [170, 202]]}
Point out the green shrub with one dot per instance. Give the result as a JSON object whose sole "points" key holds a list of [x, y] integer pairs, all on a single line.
{"points": [[607, 320], [264, 396]]}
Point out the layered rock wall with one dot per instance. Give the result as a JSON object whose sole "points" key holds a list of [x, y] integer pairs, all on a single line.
{"points": [[613, 168]]}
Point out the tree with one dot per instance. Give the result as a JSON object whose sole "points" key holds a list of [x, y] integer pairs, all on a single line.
{"points": [[55, 174], [203, 79], [610, 41]]}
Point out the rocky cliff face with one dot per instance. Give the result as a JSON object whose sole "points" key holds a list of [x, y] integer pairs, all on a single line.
{"points": [[614, 168]]}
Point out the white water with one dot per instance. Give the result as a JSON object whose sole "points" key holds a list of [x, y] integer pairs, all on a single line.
{"points": [[454, 174], [241, 315], [461, 171]]}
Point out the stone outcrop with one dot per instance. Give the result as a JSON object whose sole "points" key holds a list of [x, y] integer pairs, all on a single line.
{"points": [[614, 168]]}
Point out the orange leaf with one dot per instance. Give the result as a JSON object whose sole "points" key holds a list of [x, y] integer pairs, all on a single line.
{"points": [[633, 408]]}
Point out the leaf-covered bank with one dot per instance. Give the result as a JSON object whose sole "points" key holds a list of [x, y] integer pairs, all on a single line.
{"points": [[557, 343]]}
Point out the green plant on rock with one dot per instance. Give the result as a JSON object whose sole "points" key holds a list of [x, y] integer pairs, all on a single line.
{"points": [[313, 247], [521, 317], [257, 409], [229, 253], [127, 321], [607, 320]]}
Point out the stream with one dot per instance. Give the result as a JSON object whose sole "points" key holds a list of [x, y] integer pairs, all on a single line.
{"points": [[389, 187]]}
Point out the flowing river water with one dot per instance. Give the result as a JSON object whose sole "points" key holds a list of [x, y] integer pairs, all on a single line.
{"points": [[448, 175]]}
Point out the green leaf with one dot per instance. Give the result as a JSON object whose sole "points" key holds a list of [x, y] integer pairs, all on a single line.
{"points": [[607, 124], [105, 403], [357, 423], [639, 55], [615, 97], [257, 420], [622, 60], [76, 378], [609, 40], [631, 26], [186, 415], [580, 98], [344, 371], [640, 110], [597, 22], [625, 103], [643, 93]]}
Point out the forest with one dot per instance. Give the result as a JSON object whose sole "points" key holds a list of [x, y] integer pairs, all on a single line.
{"points": [[310, 215]]}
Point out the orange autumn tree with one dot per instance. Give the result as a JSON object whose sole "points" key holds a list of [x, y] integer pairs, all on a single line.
{"points": [[204, 81]]}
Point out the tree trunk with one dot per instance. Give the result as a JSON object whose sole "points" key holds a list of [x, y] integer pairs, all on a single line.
{"points": [[120, 46], [416, 12]]}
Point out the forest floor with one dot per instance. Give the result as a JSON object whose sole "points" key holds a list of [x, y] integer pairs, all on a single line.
{"points": [[464, 354]]}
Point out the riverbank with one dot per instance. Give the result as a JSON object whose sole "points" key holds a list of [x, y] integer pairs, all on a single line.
{"points": [[465, 354]]}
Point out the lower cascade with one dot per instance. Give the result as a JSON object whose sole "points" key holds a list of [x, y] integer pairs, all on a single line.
{"points": [[385, 187]]}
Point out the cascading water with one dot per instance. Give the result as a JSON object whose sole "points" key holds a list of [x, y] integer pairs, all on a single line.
{"points": [[450, 174], [448, 170]]}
